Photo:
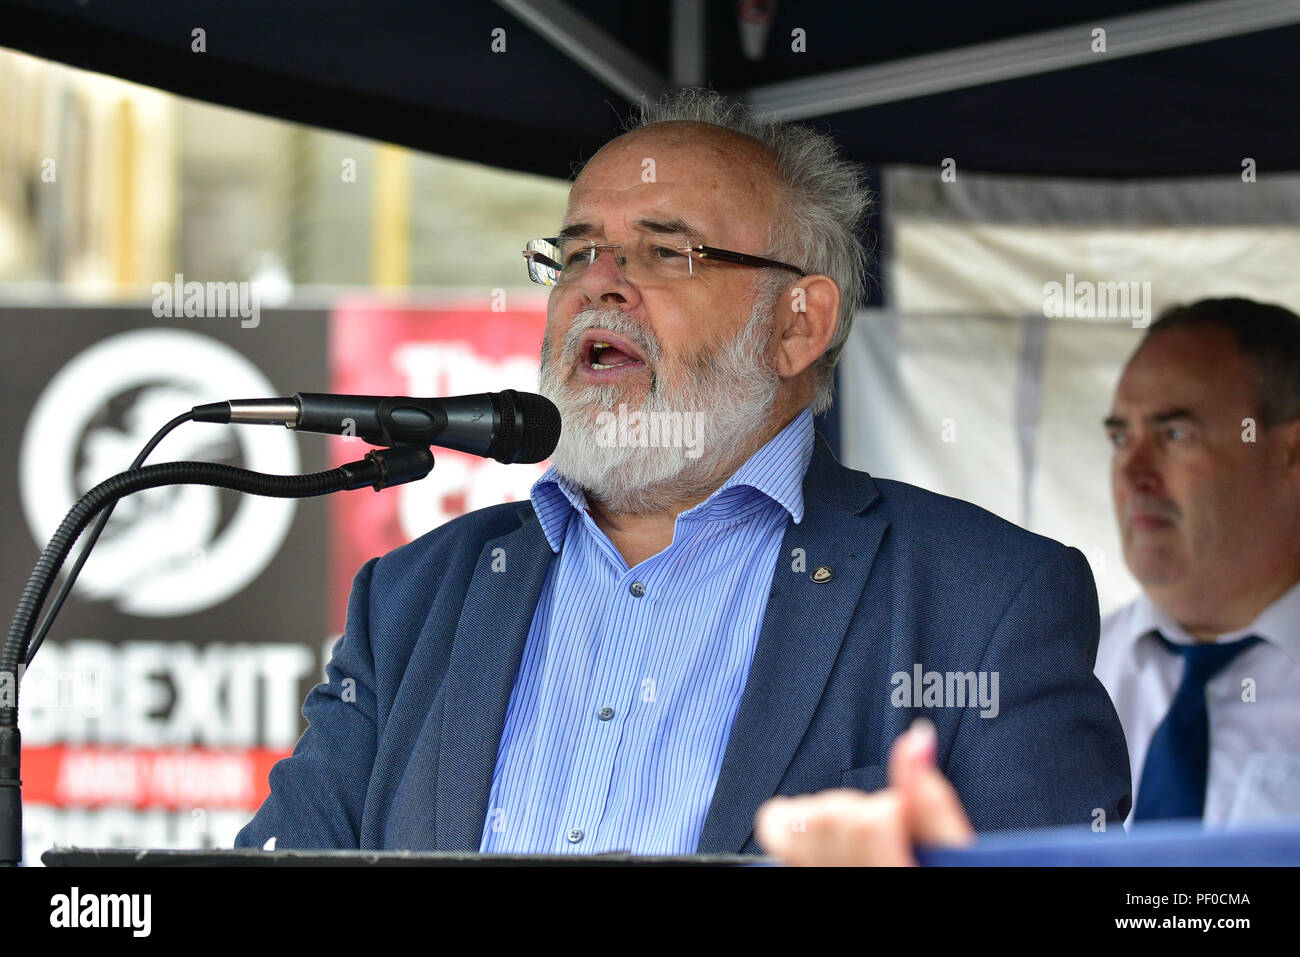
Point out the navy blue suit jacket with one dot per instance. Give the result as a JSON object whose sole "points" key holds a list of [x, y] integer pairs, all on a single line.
{"points": [[403, 737]]}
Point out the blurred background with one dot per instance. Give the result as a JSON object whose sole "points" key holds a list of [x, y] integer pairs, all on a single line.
{"points": [[175, 674], [367, 237]]}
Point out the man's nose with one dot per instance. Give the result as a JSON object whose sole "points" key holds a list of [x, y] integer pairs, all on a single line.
{"points": [[604, 283], [1139, 464]]}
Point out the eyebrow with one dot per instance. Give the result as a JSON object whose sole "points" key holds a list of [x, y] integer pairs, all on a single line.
{"points": [[673, 227], [576, 231], [663, 227], [1157, 418]]}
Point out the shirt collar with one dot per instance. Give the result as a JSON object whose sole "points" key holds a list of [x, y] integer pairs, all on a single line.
{"points": [[1278, 624], [776, 470]]}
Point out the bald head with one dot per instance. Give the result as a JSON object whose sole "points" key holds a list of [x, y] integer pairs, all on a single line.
{"points": [[735, 170], [817, 200]]}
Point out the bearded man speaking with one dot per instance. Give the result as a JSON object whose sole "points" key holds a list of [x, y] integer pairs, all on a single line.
{"points": [[688, 627]]}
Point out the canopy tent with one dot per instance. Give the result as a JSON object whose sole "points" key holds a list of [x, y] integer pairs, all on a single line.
{"points": [[963, 384], [1025, 101], [534, 85]]}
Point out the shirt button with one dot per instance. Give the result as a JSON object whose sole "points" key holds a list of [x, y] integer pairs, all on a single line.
{"points": [[605, 713], [637, 589], [575, 836]]}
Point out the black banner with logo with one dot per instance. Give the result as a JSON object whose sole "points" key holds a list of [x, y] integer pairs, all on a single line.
{"points": [[174, 677]]}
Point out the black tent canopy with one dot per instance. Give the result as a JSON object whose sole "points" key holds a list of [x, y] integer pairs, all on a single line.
{"points": [[534, 85]]}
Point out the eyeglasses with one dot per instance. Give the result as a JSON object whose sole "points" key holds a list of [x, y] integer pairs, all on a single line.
{"points": [[558, 260]]}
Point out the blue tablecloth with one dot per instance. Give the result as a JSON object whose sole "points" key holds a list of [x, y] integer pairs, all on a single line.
{"points": [[1175, 844]]}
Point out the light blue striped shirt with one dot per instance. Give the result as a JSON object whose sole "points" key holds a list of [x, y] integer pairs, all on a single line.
{"points": [[631, 678]]}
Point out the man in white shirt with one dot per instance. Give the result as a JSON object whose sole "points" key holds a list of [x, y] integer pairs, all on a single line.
{"points": [[1206, 484]]}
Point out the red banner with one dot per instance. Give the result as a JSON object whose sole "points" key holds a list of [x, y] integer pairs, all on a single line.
{"points": [[173, 778], [381, 349]]}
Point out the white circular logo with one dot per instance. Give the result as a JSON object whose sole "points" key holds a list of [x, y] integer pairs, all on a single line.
{"points": [[166, 551]]}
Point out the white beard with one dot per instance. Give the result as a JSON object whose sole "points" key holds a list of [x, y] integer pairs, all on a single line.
{"points": [[731, 391]]}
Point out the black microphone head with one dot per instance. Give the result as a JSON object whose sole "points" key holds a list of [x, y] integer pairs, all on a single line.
{"points": [[530, 428]]}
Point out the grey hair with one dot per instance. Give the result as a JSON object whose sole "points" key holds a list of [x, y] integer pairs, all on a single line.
{"points": [[823, 205]]}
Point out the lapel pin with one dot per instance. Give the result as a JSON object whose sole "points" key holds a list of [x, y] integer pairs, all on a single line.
{"points": [[823, 574]]}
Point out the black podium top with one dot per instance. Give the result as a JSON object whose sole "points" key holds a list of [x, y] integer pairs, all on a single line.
{"points": [[253, 857]]}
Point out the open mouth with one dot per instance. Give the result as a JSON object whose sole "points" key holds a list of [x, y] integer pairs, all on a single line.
{"points": [[606, 356]]}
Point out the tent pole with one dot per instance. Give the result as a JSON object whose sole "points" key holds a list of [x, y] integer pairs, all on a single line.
{"points": [[1044, 52], [589, 46], [687, 67]]}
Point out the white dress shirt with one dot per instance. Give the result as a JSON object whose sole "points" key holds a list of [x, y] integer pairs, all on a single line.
{"points": [[1254, 770]]}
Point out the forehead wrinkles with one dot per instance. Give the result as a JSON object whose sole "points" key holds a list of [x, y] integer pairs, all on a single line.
{"points": [[697, 163]]}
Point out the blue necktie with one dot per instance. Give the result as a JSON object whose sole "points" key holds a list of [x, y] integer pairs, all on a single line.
{"points": [[1177, 763]]}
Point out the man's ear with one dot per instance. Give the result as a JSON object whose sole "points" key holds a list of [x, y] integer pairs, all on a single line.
{"points": [[1291, 449], [804, 320]]}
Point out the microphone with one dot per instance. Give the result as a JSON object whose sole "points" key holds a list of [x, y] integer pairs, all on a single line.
{"points": [[511, 427]]}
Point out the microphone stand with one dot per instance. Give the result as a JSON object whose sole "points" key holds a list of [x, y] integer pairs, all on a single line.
{"points": [[380, 469]]}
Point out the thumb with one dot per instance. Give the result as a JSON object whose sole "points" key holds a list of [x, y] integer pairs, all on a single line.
{"points": [[933, 809]]}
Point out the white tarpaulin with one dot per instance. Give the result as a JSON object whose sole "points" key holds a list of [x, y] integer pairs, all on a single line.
{"points": [[967, 386]]}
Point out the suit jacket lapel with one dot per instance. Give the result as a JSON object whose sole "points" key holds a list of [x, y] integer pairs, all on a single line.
{"points": [[489, 643], [803, 627]]}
